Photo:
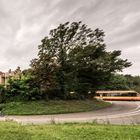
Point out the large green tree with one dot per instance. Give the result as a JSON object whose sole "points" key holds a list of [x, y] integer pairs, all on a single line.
{"points": [[73, 57]]}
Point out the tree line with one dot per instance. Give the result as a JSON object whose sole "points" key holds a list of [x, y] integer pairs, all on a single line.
{"points": [[72, 63]]}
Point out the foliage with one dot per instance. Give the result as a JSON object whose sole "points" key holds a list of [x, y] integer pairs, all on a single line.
{"points": [[21, 89], [24, 88], [72, 63], [73, 58], [116, 82], [133, 82], [122, 82]]}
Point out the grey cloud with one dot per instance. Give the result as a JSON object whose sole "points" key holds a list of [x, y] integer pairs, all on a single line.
{"points": [[24, 23]]}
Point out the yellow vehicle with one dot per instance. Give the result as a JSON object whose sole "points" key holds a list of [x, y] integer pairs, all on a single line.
{"points": [[118, 95]]}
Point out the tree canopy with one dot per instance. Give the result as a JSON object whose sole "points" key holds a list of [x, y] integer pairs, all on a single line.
{"points": [[73, 59]]}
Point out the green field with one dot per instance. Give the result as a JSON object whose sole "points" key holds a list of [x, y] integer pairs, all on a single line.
{"points": [[85, 131], [51, 107]]}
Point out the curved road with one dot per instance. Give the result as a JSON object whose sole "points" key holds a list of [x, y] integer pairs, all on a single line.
{"points": [[121, 112]]}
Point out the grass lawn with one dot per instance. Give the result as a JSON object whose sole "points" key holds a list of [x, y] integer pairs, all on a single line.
{"points": [[51, 107], [83, 131]]}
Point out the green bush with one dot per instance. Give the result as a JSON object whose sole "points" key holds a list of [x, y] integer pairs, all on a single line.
{"points": [[22, 89]]}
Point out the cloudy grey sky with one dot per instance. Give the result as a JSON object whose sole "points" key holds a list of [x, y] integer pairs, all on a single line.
{"points": [[23, 23]]}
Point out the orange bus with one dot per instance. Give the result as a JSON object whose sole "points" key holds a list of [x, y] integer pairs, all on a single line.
{"points": [[118, 95]]}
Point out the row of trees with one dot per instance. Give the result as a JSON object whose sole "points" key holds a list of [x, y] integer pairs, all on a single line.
{"points": [[23, 88], [122, 82], [72, 62]]}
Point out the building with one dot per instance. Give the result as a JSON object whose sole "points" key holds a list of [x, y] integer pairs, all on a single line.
{"points": [[4, 76]]}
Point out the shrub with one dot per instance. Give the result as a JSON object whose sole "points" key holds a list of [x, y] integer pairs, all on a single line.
{"points": [[21, 89]]}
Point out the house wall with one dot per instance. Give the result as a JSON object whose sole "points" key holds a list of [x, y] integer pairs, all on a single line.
{"points": [[2, 80]]}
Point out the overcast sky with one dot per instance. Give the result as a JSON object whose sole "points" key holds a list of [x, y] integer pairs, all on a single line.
{"points": [[23, 23]]}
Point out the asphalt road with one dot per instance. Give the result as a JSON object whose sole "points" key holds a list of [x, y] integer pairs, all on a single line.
{"points": [[121, 112]]}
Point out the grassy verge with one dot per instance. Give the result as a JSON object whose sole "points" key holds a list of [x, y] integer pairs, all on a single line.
{"points": [[51, 107], [85, 131]]}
